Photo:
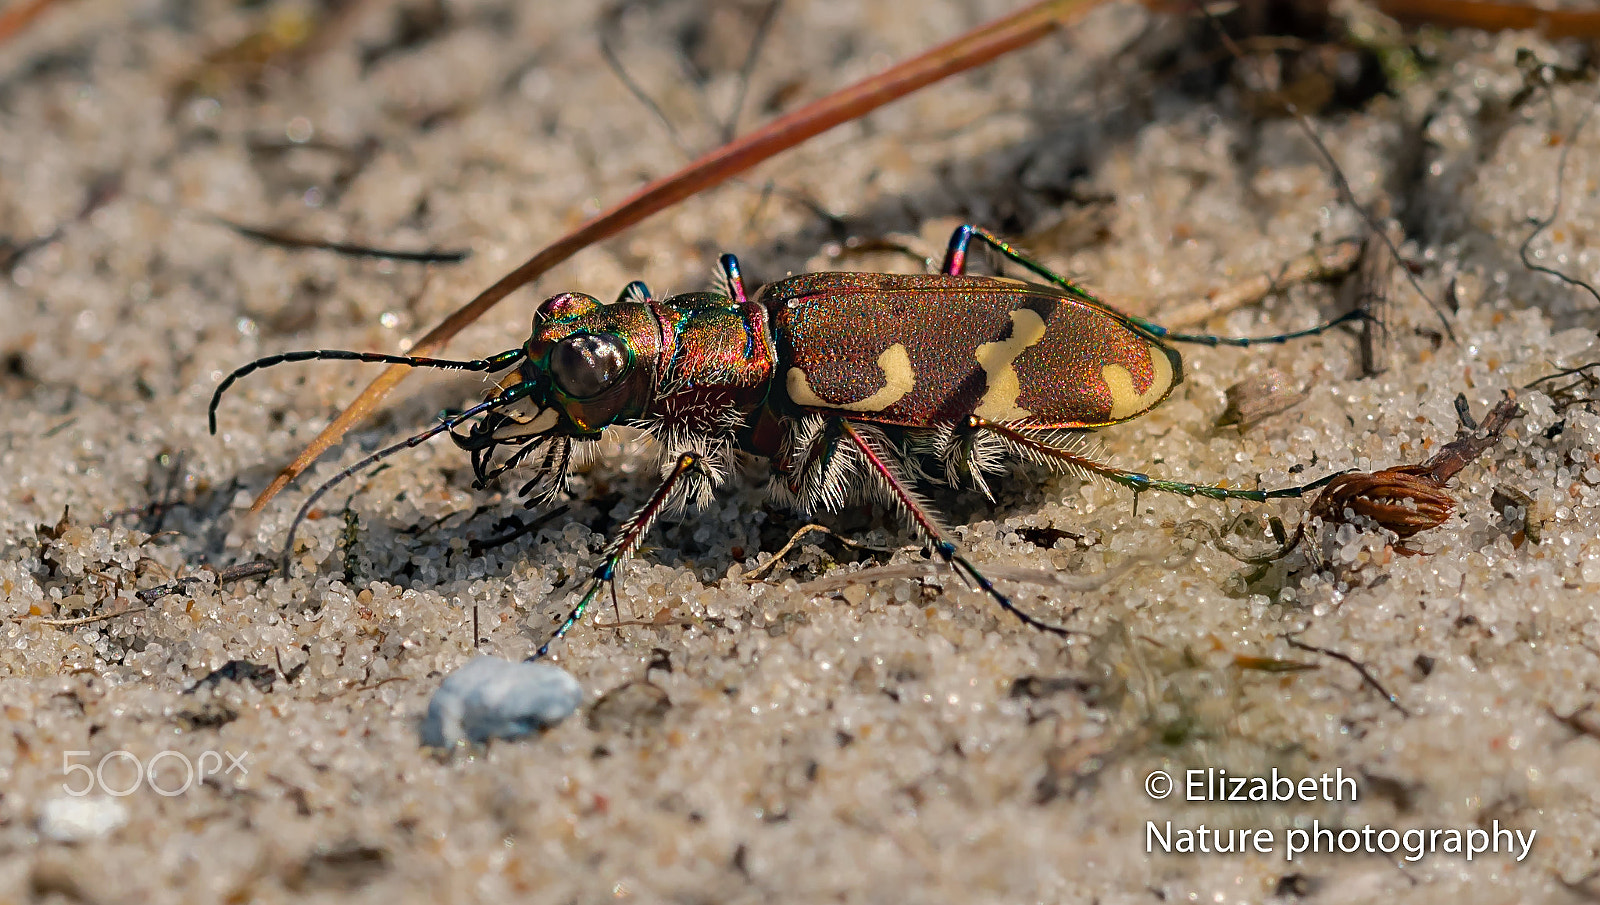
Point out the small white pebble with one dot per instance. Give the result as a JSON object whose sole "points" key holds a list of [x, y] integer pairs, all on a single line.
{"points": [[71, 819], [495, 698]]}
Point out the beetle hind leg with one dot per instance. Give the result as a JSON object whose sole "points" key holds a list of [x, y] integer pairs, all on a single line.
{"points": [[955, 258], [956, 456], [955, 262], [1208, 339], [1068, 456], [881, 467]]}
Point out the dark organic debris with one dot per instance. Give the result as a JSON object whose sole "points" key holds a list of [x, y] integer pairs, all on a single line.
{"points": [[1262, 396], [241, 671], [1408, 499], [1353, 663], [295, 242], [1405, 499], [229, 575], [346, 867], [631, 707]]}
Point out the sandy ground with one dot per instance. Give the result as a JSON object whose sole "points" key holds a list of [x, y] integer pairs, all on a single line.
{"points": [[893, 739]]}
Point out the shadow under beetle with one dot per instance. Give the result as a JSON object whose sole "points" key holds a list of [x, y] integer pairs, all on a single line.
{"points": [[852, 384]]}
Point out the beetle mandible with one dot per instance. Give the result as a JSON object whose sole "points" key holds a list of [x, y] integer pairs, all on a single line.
{"points": [[851, 384]]}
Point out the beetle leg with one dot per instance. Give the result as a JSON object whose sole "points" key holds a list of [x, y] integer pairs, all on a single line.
{"points": [[636, 292], [955, 255], [1207, 339], [955, 262], [729, 281], [955, 258], [1033, 447], [879, 463], [625, 542]]}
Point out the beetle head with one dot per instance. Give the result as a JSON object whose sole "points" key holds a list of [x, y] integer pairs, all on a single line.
{"points": [[594, 363], [587, 366]]}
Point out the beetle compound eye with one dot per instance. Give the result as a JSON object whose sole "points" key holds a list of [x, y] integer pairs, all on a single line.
{"points": [[587, 364]]}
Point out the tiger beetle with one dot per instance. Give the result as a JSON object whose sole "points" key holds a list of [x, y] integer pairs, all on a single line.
{"points": [[852, 384]]}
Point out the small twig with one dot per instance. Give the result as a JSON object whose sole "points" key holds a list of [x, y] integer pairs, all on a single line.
{"points": [[229, 575], [477, 547], [1540, 226], [87, 620], [1319, 264], [840, 578], [296, 242], [1578, 391], [766, 567], [241, 571], [1353, 663], [419, 530], [1284, 548], [609, 22], [1470, 444], [150, 595], [1378, 264], [1564, 372], [101, 192], [758, 43]]}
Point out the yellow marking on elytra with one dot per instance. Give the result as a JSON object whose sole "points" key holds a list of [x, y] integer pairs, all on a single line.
{"points": [[998, 360], [1125, 401], [898, 379]]}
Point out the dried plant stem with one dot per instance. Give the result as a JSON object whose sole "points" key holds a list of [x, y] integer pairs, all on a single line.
{"points": [[18, 16], [1553, 23]]}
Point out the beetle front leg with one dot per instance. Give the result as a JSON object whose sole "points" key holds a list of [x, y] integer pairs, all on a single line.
{"points": [[729, 280], [626, 542], [878, 461], [635, 292]]}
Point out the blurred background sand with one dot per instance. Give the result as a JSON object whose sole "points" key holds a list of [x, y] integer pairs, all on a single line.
{"points": [[894, 740]]}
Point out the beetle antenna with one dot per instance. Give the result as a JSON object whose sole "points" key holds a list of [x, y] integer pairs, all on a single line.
{"points": [[505, 398], [493, 363]]}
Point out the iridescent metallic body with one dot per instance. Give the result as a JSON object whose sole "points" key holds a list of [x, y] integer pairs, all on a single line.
{"points": [[853, 385]]}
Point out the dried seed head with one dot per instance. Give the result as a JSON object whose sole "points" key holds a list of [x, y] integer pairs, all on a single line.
{"points": [[1262, 396], [1404, 500]]}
